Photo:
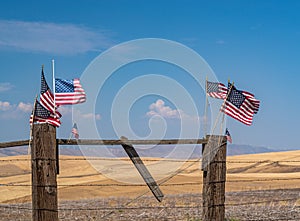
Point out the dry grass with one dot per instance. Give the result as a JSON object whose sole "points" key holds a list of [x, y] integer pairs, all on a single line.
{"points": [[264, 178], [245, 172]]}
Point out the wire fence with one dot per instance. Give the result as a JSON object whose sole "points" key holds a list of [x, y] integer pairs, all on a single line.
{"points": [[268, 204]]}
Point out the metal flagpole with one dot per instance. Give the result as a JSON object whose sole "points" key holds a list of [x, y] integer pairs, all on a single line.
{"points": [[223, 114], [71, 135], [53, 86], [205, 110], [224, 103], [31, 126]]}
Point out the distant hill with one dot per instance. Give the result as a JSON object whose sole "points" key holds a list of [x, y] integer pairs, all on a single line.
{"points": [[156, 151], [237, 149]]}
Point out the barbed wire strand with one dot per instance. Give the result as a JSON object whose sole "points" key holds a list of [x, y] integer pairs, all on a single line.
{"points": [[143, 185]]}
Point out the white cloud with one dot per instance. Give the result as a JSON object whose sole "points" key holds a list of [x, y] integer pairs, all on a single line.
{"points": [[51, 37], [5, 86], [159, 109], [67, 111], [5, 106], [14, 111], [27, 108]]}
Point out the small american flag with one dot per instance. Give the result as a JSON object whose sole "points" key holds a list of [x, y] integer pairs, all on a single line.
{"points": [[238, 106], [228, 136], [75, 131], [69, 92], [46, 96], [216, 90], [42, 115]]}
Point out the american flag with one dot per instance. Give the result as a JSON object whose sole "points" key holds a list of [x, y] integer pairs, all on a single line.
{"points": [[228, 136], [69, 92], [46, 96], [219, 90], [216, 90], [238, 106], [75, 131], [42, 115]]}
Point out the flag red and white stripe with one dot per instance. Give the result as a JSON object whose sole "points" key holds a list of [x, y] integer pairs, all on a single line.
{"points": [[46, 97], [69, 92], [254, 102]]}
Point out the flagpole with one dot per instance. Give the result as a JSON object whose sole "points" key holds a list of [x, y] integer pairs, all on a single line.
{"points": [[31, 125], [219, 140], [205, 109], [229, 90], [71, 134], [223, 114], [53, 77]]}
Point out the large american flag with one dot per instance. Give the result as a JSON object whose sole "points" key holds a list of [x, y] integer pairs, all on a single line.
{"points": [[42, 115], [46, 96], [216, 90], [238, 106], [69, 92]]}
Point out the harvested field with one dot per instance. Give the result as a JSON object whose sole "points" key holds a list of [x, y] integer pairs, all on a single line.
{"points": [[246, 205], [258, 187]]}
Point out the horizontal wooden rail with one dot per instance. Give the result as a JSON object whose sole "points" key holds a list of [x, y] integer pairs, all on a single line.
{"points": [[110, 142], [14, 143], [133, 142]]}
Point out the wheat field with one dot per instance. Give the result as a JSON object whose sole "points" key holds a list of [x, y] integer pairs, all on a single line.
{"points": [[78, 179]]}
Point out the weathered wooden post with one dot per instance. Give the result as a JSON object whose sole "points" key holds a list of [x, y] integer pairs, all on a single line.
{"points": [[44, 185], [214, 177]]}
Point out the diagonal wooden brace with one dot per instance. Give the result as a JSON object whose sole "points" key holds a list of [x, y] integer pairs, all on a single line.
{"points": [[140, 166]]}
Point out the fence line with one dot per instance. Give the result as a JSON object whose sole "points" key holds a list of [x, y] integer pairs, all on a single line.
{"points": [[142, 185], [95, 142], [154, 160], [126, 205], [155, 207]]}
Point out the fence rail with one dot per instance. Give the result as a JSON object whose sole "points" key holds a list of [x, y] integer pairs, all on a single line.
{"points": [[109, 142]]}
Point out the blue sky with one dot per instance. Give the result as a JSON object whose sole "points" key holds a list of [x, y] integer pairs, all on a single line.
{"points": [[254, 43]]}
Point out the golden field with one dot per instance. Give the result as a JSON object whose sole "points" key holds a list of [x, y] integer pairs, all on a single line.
{"points": [[78, 179]]}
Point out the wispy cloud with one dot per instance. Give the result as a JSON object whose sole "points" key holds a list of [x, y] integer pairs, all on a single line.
{"points": [[5, 106], [5, 86], [160, 109], [14, 111], [51, 37], [67, 111], [27, 108]]}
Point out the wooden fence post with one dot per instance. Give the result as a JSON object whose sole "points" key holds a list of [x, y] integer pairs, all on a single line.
{"points": [[214, 178], [44, 185]]}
